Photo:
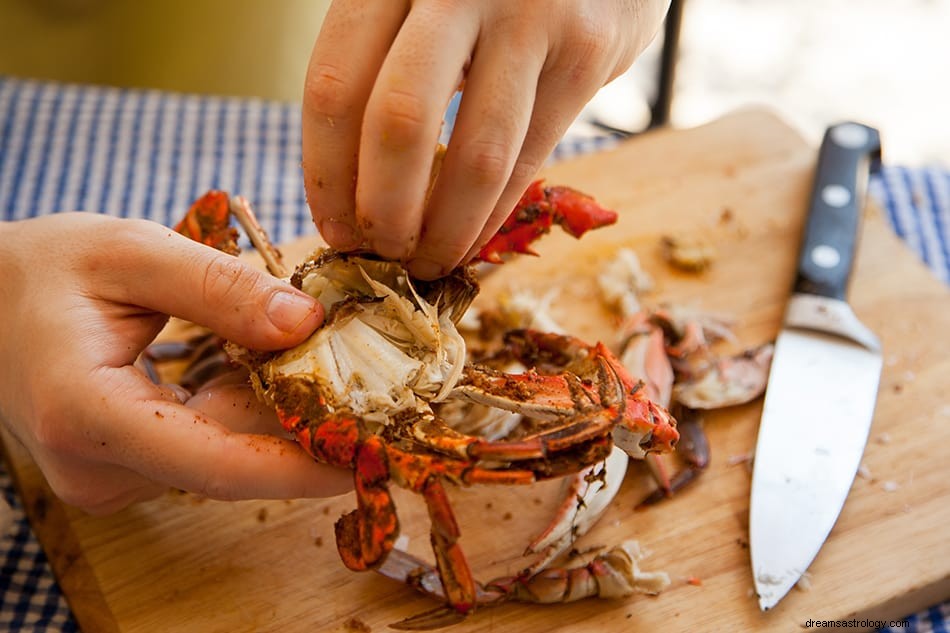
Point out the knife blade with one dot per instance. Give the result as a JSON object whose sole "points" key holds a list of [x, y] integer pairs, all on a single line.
{"points": [[823, 382]]}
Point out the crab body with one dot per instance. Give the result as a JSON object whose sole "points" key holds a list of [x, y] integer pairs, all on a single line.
{"points": [[367, 389], [362, 394]]}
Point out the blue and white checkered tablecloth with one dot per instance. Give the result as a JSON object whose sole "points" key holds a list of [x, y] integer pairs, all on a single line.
{"points": [[148, 154]]}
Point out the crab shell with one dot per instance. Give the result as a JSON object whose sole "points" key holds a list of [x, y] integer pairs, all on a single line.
{"points": [[388, 344]]}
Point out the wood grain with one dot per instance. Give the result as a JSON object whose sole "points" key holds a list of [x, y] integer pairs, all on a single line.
{"points": [[186, 564]]}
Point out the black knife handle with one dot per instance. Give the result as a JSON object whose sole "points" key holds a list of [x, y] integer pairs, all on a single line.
{"points": [[848, 152]]}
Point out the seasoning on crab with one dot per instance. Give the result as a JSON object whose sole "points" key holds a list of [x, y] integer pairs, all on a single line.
{"points": [[359, 393], [383, 345]]}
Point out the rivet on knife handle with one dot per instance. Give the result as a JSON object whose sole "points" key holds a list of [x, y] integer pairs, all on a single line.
{"points": [[848, 151]]}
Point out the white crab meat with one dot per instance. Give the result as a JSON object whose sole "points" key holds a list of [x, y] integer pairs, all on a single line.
{"points": [[622, 281], [383, 350], [524, 309]]}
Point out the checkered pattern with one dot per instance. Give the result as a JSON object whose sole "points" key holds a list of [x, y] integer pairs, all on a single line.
{"points": [[30, 600], [148, 154]]}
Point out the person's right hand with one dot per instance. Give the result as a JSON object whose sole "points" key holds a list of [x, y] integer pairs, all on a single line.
{"points": [[81, 296], [380, 77]]}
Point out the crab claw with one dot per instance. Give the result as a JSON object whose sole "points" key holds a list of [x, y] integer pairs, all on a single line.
{"points": [[538, 209], [645, 426]]}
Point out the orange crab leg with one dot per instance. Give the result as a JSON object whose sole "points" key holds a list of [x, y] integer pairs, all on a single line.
{"points": [[456, 575], [435, 434], [366, 535], [640, 411], [545, 396]]}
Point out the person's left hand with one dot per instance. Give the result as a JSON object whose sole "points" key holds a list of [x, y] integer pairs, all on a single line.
{"points": [[82, 295]]}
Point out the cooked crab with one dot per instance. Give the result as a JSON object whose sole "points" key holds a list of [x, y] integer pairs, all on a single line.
{"points": [[363, 392]]}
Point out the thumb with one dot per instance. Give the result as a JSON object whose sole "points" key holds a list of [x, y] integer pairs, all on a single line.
{"points": [[177, 276]]}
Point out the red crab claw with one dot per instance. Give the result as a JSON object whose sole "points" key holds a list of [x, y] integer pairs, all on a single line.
{"points": [[538, 209], [693, 451], [645, 427]]}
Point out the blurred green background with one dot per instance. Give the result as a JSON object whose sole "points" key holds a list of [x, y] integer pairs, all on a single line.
{"points": [[231, 47]]}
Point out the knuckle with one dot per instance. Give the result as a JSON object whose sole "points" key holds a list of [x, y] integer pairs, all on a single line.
{"points": [[327, 92], [524, 170], [487, 161], [214, 488], [228, 281], [402, 116], [451, 251], [588, 45]]}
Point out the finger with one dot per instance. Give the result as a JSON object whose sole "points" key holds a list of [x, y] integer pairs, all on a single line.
{"points": [[238, 408], [158, 269], [403, 119], [346, 58], [169, 443], [491, 126], [236, 377], [561, 95]]}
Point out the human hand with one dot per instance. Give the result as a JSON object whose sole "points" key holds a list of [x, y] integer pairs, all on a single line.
{"points": [[380, 77], [82, 295]]}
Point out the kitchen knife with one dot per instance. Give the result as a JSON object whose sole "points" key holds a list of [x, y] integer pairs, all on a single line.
{"points": [[823, 381]]}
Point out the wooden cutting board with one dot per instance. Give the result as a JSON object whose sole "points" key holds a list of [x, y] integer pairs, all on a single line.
{"points": [[181, 563]]}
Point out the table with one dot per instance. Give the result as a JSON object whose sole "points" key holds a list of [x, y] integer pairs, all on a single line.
{"points": [[148, 154]]}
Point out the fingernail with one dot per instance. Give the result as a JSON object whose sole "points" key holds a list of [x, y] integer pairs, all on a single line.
{"points": [[340, 234], [425, 269], [288, 310]]}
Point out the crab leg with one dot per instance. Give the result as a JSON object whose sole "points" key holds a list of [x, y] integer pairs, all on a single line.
{"points": [[612, 574], [457, 580], [241, 209], [586, 497], [643, 426], [366, 535], [433, 433], [541, 396], [693, 449], [729, 381], [645, 354], [208, 222]]}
